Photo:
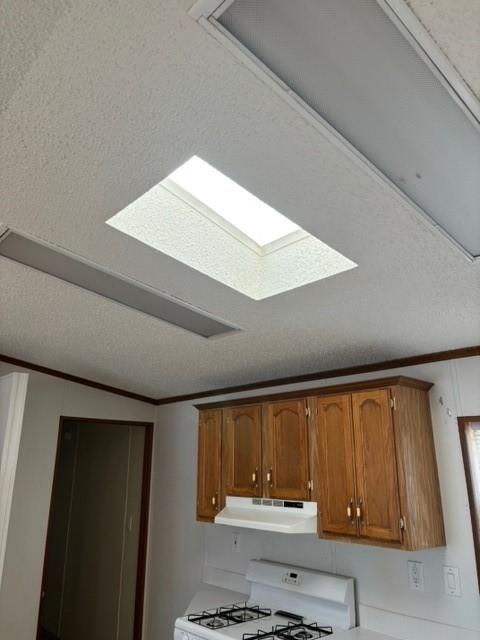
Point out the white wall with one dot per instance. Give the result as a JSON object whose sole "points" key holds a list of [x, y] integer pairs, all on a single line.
{"points": [[47, 399], [183, 550]]}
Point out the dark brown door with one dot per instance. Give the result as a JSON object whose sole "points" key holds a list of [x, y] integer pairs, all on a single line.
{"points": [[242, 451], [376, 466], [286, 449], [209, 464], [336, 466]]}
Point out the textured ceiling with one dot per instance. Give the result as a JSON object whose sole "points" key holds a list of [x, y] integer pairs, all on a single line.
{"points": [[455, 26], [106, 99]]}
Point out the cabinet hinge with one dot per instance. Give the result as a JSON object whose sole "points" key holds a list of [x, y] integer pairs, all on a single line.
{"points": [[402, 523], [393, 403]]}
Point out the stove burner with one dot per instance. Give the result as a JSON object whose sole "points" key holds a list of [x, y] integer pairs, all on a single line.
{"points": [[214, 623], [302, 631], [228, 616]]}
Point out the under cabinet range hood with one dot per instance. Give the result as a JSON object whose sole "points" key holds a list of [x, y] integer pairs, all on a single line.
{"points": [[282, 516]]}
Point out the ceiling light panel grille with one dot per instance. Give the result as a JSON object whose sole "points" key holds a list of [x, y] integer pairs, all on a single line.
{"points": [[349, 63], [70, 268]]}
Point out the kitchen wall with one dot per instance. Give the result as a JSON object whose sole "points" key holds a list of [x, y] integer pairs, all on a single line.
{"points": [[47, 399], [184, 552]]}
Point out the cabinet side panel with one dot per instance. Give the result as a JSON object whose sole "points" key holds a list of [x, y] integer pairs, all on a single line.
{"points": [[417, 470]]}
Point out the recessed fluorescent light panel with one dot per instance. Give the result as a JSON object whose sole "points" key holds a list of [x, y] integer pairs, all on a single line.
{"points": [[72, 269], [206, 220], [350, 66]]}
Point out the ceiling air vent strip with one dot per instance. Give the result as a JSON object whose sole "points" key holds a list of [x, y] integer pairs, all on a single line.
{"points": [[70, 268]]}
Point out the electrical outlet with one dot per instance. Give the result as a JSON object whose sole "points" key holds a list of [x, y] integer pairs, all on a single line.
{"points": [[236, 542], [415, 576], [451, 578]]}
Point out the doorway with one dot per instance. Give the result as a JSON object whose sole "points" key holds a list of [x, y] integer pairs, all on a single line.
{"points": [[94, 568]]}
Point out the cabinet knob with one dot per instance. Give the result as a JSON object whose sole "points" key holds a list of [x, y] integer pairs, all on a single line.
{"points": [[350, 512], [359, 510], [270, 477], [255, 477]]}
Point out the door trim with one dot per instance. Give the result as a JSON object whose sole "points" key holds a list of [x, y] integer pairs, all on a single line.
{"points": [[144, 512]]}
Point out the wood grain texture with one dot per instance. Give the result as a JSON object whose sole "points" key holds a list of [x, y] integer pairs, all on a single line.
{"points": [[335, 473], [321, 391], [417, 470], [376, 467], [209, 465], [286, 450], [242, 451], [464, 427]]}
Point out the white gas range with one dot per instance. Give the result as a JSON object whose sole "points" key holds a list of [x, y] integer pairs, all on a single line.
{"points": [[285, 602]]}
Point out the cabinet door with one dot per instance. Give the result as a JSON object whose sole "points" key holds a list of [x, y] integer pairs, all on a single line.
{"points": [[376, 466], [209, 464], [286, 447], [242, 450], [335, 474]]}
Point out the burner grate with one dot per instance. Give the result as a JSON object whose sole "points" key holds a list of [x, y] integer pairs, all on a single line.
{"points": [[291, 630], [229, 615], [302, 631]]}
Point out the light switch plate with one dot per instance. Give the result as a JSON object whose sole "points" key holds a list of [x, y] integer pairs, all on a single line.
{"points": [[415, 576], [451, 578]]}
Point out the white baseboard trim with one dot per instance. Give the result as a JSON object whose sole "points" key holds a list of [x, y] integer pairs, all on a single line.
{"points": [[409, 628]]}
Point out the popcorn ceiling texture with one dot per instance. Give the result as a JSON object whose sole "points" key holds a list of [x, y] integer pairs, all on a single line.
{"points": [[455, 27], [107, 101], [166, 223]]}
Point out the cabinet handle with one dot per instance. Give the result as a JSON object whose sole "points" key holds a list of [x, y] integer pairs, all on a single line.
{"points": [[359, 510], [270, 477], [214, 500], [254, 477], [350, 512]]}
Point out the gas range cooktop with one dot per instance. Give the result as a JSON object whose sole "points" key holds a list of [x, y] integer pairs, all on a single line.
{"points": [[285, 602], [227, 616], [235, 614], [291, 630]]}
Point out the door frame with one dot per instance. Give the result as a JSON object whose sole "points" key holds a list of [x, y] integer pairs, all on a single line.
{"points": [[144, 511]]}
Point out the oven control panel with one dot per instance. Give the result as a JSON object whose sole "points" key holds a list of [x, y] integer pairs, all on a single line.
{"points": [[292, 577]]}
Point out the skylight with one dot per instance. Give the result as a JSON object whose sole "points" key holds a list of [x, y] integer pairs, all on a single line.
{"points": [[205, 220], [240, 208]]}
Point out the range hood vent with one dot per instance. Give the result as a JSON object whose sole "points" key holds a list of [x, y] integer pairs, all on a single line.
{"points": [[282, 516], [75, 270]]}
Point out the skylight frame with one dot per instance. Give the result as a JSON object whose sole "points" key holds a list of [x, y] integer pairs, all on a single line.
{"points": [[220, 221], [207, 14], [223, 215]]}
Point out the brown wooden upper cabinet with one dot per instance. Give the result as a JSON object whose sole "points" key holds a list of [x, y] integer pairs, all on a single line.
{"points": [[335, 473], [377, 471], [209, 480], [242, 451], [286, 468], [363, 451]]}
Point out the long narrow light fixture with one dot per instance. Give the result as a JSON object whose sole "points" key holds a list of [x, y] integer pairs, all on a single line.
{"points": [[70, 268]]}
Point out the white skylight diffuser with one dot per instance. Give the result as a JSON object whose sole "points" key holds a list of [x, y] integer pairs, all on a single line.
{"points": [[240, 208], [205, 220]]}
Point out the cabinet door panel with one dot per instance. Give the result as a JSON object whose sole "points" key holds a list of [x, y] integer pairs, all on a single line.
{"points": [[336, 474], [376, 467], [242, 446], [209, 464], [286, 446]]}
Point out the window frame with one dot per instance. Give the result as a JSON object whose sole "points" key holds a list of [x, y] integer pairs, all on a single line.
{"points": [[464, 423]]}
